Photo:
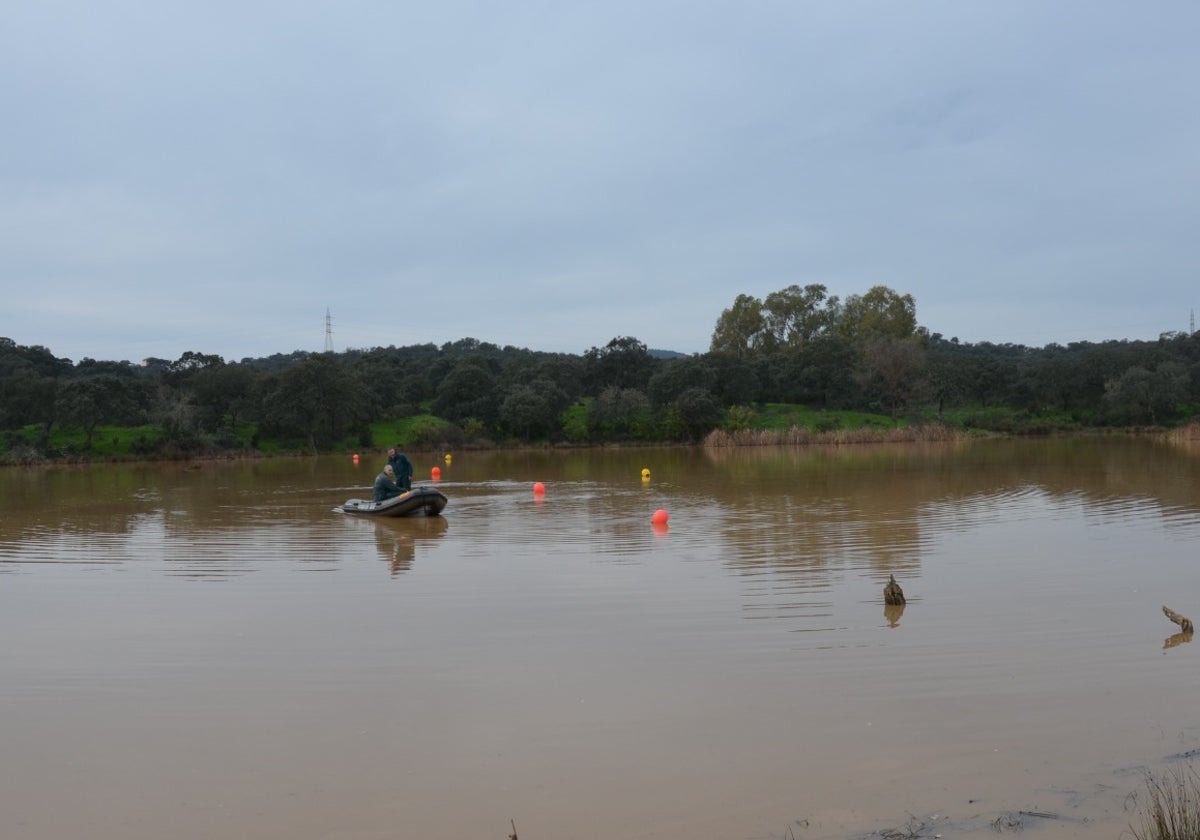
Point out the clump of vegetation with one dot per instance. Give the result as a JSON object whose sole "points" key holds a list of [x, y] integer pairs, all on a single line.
{"points": [[1172, 807], [796, 436], [796, 367], [1183, 434], [24, 455]]}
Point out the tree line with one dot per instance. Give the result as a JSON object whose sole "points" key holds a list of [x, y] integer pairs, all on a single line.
{"points": [[798, 345]]}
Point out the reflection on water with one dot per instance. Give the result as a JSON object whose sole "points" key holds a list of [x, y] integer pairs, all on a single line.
{"points": [[216, 650], [1176, 639], [892, 613], [397, 538]]}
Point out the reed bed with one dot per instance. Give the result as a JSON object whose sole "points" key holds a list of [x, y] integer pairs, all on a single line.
{"points": [[796, 436], [1185, 434], [1172, 807]]}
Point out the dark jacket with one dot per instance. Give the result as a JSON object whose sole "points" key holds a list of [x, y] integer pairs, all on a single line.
{"points": [[385, 488], [403, 468]]}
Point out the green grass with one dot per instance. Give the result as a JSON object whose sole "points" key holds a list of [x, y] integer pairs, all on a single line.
{"points": [[413, 432], [426, 431], [113, 442], [1007, 420], [779, 417]]}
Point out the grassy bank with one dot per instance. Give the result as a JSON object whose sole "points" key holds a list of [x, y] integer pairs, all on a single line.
{"points": [[769, 424]]}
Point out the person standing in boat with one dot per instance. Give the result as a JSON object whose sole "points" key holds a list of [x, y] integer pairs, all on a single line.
{"points": [[402, 466], [386, 486]]}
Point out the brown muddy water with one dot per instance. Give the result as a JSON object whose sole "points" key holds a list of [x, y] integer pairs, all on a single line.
{"points": [[212, 651]]}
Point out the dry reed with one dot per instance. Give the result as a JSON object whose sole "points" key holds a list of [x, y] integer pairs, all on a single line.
{"points": [[1172, 809], [796, 436], [1185, 434]]}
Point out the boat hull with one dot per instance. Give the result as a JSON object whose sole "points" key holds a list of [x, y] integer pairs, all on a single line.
{"points": [[420, 501]]}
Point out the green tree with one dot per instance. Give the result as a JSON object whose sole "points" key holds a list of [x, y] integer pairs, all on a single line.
{"points": [[675, 376], [880, 313], [531, 412], [795, 316], [829, 370], [574, 420], [567, 372], [741, 330], [33, 359], [92, 400], [620, 414], [948, 382], [384, 372], [321, 401], [189, 364], [1140, 396], [221, 394], [735, 381], [892, 370], [820, 373], [622, 363], [697, 412], [469, 391], [175, 413], [29, 398]]}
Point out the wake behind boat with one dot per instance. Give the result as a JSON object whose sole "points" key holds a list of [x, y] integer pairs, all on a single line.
{"points": [[417, 501]]}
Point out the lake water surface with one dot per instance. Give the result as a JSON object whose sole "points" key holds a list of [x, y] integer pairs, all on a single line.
{"points": [[210, 650]]}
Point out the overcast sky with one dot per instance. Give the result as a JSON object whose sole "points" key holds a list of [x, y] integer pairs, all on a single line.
{"points": [[214, 176]]}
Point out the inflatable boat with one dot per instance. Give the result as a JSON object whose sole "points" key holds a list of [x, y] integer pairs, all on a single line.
{"points": [[417, 501]]}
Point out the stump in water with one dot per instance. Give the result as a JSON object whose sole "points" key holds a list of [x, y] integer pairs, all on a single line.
{"points": [[893, 595], [1185, 624]]}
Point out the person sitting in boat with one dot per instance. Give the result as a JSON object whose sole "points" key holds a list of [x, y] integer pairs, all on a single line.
{"points": [[386, 486], [402, 466]]}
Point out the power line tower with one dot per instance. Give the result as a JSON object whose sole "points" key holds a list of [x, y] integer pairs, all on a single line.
{"points": [[328, 332]]}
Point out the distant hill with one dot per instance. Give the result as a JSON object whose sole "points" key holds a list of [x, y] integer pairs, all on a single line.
{"points": [[667, 354]]}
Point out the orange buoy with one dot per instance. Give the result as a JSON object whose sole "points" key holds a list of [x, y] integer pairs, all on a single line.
{"points": [[436, 472], [539, 489], [660, 517], [356, 457]]}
